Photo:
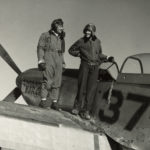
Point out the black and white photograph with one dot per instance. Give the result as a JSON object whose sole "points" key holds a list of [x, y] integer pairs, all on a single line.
{"points": [[75, 75]]}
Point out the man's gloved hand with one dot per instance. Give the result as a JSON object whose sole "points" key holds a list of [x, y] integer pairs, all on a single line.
{"points": [[111, 59], [42, 66]]}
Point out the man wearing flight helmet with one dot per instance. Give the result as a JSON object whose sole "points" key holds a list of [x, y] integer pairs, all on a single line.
{"points": [[88, 48], [50, 50]]}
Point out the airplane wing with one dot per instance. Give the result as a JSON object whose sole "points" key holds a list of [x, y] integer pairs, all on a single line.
{"points": [[24, 127]]}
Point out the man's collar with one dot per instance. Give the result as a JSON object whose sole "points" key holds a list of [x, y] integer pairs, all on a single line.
{"points": [[56, 34], [93, 38]]}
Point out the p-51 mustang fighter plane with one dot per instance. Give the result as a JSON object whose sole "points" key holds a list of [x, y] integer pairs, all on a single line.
{"points": [[120, 109]]}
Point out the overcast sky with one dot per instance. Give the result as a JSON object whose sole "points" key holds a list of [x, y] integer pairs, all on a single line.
{"points": [[122, 25]]}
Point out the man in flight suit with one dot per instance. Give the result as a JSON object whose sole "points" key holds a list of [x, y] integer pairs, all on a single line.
{"points": [[50, 50], [88, 48]]}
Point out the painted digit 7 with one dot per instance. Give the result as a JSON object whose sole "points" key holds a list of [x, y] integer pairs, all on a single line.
{"points": [[140, 111]]}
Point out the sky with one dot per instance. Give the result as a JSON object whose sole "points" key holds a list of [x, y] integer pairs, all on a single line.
{"points": [[123, 27]]}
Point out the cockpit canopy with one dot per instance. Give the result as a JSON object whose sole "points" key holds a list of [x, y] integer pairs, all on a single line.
{"points": [[138, 63]]}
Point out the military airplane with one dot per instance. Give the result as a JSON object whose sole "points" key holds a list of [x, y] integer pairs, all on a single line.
{"points": [[120, 108]]}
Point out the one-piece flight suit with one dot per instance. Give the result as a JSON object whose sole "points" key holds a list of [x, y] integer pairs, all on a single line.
{"points": [[50, 49]]}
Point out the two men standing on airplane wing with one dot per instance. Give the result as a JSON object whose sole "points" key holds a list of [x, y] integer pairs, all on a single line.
{"points": [[50, 50]]}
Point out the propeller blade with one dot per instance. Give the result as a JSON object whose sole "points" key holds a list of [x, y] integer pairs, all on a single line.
{"points": [[13, 95], [8, 59]]}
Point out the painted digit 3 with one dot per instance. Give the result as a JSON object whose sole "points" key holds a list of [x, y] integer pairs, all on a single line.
{"points": [[110, 114]]}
